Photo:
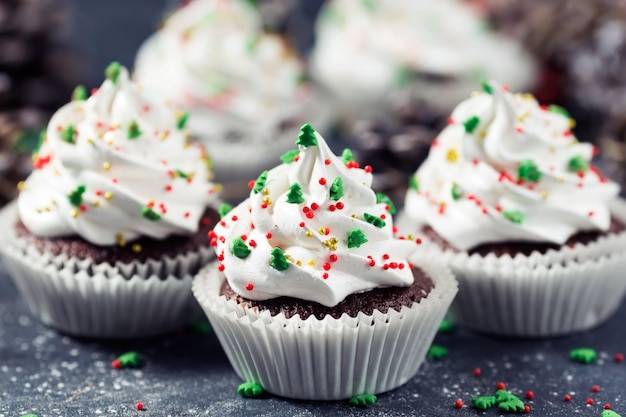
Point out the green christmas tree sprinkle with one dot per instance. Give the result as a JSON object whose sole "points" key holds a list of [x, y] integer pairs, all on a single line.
{"points": [[356, 238], [260, 182], [363, 400], [578, 164], [279, 261], [583, 355], [289, 156], [182, 120], [307, 137], [471, 124], [502, 395], [40, 141], [515, 216], [511, 406], [29, 415], [240, 249], [129, 359], [610, 413], [528, 171], [375, 220], [336, 189], [413, 183], [224, 209], [446, 326], [113, 71], [456, 191], [483, 403], [506, 401], [553, 108], [382, 198], [347, 156], [76, 196], [150, 214], [437, 352], [68, 133], [295, 196], [249, 390], [181, 174], [133, 131], [487, 88], [79, 93]]}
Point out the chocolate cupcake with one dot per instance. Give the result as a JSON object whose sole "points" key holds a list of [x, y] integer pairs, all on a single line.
{"points": [[533, 230], [309, 266], [110, 227]]}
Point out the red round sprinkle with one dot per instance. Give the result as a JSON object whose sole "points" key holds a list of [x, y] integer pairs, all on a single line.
{"points": [[393, 265], [401, 265], [83, 207], [98, 193], [589, 401], [500, 385], [213, 242], [223, 223], [382, 216], [116, 364], [372, 262], [114, 180], [268, 235], [221, 267], [326, 266], [450, 121], [385, 256], [331, 207], [309, 215], [325, 275], [314, 206], [394, 230], [595, 388], [386, 267], [339, 205], [567, 397], [333, 257], [249, 286], [168, 188], [235, 218], [301, 224], [368, 168], [306, 209], [607, 406], [220, 257], [327, 161], [477, 371], [458, 404], [244, 237], [411, 265], [485, 211], [186, 214], [418, 241], [222, 239], [264, 205], [530, 395], [526, 409], [251, 184], [252, 243], [619, 357], [322, 181], [139, 406]]}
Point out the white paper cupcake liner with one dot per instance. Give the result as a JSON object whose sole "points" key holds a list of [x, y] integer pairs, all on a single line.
{"points": [[327, 359], [102, 300], [560, 292]]}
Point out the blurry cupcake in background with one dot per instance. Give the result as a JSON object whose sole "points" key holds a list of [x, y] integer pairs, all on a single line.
{"points": [[532, 229], [245, 88], [370, 53], [111, 225]]}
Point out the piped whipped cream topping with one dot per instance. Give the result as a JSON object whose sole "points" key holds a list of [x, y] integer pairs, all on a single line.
{"points": [[313, 229], [116, 167], [508, 169], [375, 47], [213, 57]]}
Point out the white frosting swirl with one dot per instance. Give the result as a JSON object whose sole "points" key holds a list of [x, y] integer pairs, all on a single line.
{"points": [[367, 49], [507, 169], [313, 234], [116, 167], [213, 58]]}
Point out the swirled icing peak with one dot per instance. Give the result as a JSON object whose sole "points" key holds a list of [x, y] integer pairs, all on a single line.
{"points": [[508, 169], [115, 167], [313, 229]]}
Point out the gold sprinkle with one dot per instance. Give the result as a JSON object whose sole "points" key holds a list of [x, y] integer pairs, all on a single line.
{"points": [[108, 195], [164, 135], [334, 240], [106, 166], [311, 262], [355, 216], [523, 117], [326, 243], [308, 233], [321, 230], [188, 136], [218, 187], [452, 155], [267, 201], [119, 238], [47, 209], [299, 263], [572, 123], [333, 246], [265, 191], [475, 94], [99, 135], [136, 248], [288, 257], [74, 213], [409, 237], [90, 141], [483, 134], [187, 145], [552, 149], [57, 172], [21, 185], [210, 176], [560, 179], [53, 201], [38, 211], [528, 96], [96, 203], [544, 194]]}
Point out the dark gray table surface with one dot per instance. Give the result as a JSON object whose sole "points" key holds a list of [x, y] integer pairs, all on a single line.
{"points": [[187, 374]]}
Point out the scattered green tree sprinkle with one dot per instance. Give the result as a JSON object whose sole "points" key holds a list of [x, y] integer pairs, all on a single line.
{"points": [[382, 198], [129, 359], [437, 352], [502, 396], [356, 238], [578, 164], [336, 189], [487, 88], [413, 183], [471, 124], [375, 220], [68, 133], [456, 191], [150, 214], [260, 182], [249, 390], [240, 249], [307, 137], [133, 131], [35, 415], [113, 71], [295, 196], [610, 413], [553, 108], [528, 171], [483, 403], [182, 120], [40, 140], [79, 93], [511, 406], [76, 196], [224, 209], [289, 156], [446, 326], [181, 174], [583, 355], [347, 156], [279, 261], [515, 216], [363, 400]]}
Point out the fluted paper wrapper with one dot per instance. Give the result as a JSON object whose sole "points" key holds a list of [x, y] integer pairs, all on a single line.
{"points": [[102, 300], [329, 359], [560, 292]]}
